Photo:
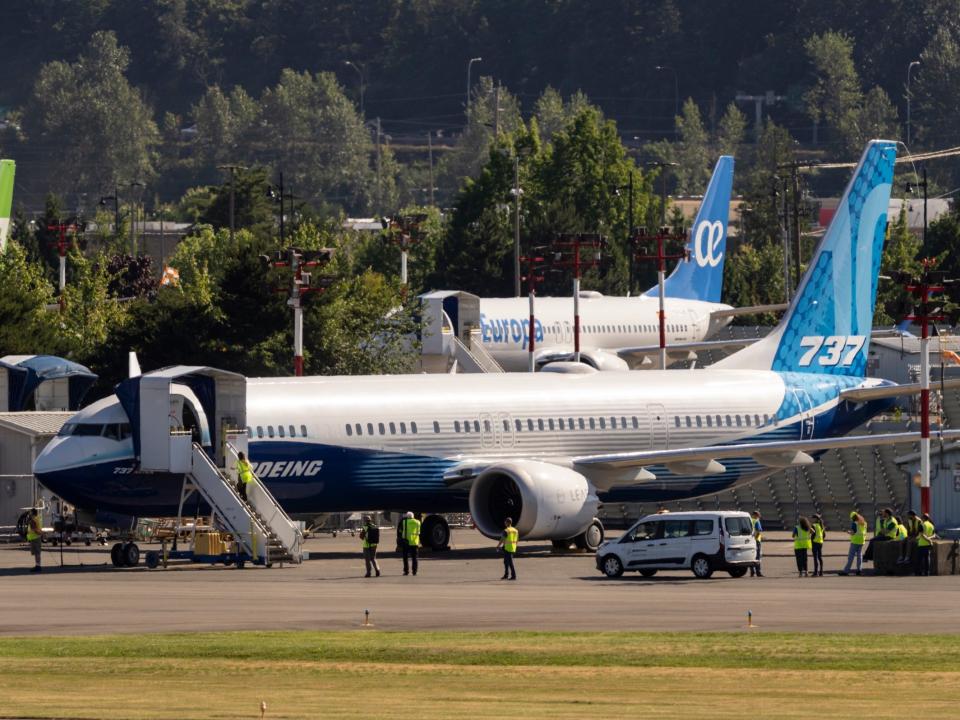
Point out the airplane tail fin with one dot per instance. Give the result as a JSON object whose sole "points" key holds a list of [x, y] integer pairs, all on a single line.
{"points": [[7, 170], [826, 329], [701, 278]]}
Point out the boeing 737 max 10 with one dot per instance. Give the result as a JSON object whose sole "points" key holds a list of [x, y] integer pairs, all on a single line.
{"points": [[547, 449]]}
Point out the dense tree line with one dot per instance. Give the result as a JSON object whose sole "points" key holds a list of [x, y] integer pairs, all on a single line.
{"points": [[150, 101]]}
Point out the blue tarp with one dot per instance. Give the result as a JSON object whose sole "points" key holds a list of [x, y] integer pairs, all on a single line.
{"points": [[26, 376]]}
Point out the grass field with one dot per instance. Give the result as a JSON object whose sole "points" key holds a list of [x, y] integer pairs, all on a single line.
{"points": [[369, 674]]}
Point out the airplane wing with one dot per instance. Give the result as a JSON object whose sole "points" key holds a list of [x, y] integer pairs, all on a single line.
{"points": [[642, 351], [891, 391], [707, 460], [749, 310]]}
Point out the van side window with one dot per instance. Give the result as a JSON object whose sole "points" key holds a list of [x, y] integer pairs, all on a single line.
{"points": [[645, 531], [676, 528], [702, 527]]}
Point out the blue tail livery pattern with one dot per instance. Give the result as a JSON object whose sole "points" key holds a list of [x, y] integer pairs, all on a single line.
{"points": [[828, 325]]}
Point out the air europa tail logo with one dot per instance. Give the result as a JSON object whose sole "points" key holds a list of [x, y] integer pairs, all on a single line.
{"points": [[706, 241]]}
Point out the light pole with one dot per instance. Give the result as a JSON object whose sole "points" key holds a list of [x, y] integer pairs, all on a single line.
{"points": [[676, 87], [350, 63], [909, 97], [470, 65]]}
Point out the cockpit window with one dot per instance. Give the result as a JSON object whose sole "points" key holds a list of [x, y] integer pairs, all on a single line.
{"points": [[114, 431]]}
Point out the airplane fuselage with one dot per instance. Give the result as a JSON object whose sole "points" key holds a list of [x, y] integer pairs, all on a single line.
{"points": [[325, 444]]}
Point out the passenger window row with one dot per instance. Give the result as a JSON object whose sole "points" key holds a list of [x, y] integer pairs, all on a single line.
{"points": [[670, 327], [279, 431], [611, 422], [720, 421]]}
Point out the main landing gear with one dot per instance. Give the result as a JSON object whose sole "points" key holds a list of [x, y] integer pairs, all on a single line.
{"points": [[589, 540], [125, 554], [435, 533]]}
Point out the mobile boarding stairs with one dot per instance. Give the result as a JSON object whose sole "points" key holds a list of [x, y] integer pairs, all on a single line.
{"points": [[191, 421]]}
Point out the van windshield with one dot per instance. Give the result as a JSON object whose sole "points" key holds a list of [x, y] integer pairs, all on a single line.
{"points": [[738, 526]]}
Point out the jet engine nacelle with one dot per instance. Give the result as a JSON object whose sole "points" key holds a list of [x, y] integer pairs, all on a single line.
{"points": [[592, 358], [544, 501]]}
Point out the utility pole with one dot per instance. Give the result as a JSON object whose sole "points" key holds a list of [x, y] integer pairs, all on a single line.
{"points": [[516, 225], [379, 168], [912, 188], [910, 67], [566, 254], [430, 155], [233, 186], [277, 194], [661, 257], [630, 264]]}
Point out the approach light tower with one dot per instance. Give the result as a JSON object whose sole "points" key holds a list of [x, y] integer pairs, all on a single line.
{"points": [[566, 251], [404, 232], [534, 266], [662, 237], [302, 284], [920, 288]]}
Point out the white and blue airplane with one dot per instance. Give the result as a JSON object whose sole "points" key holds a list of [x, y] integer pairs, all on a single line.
{"points": [[619, 333], [545, 449]]}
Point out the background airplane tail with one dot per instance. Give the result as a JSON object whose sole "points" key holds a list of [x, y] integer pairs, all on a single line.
{"points": [[7, 170], [702, 277], [827, 327]]}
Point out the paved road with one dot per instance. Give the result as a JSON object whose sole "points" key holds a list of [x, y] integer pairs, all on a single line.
{"points": [[459, 589]]}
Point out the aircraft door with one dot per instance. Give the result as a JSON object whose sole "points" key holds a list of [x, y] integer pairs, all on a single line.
{"points": [[807, 415], [659, 429], [451, 306]]}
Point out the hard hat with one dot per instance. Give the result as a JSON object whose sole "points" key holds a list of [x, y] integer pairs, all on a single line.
{"points": [[853, 514]]}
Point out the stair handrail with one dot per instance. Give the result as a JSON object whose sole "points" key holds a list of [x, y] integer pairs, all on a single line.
{"points": [[249, 543], [294, 540]]}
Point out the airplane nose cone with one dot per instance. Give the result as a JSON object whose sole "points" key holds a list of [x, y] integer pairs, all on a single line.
{"points": [[49, 459]]}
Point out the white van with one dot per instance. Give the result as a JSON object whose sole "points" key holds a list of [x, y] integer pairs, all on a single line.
{"points": [[701, 541]]}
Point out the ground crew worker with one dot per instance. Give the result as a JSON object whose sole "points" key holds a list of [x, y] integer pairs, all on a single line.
{"points": [[35, 537], [884, 530], [858, 536], [907, 548], [244, 474], [924, 543], [802, 542], [370, 535], [508, 541], [758, 536], [900, 532], [819, 535], [410, 528]]}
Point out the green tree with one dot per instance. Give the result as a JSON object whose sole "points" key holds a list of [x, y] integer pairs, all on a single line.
{"points": [[900, 252], [692, 153], [224, 125], [90, 311], [95, 127], [27, 327], [745, 268], [937, 86], [731, 130]]}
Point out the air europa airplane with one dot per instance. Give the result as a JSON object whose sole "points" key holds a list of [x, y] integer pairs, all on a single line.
{"points": [[619, 333], [545, 449]]}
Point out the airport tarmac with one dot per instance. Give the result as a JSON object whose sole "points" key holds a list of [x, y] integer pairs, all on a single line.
{"points": [[457, 590]]}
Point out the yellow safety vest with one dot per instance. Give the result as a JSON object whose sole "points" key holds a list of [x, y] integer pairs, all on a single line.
{"points": [[860, 536], [411, 531], [803, 540], [34, 529], [366, 537], [757, 531], [878, 526], [928, 529], [901, 533], [510, 536], [818, 533], [244, 471], [890, 528]]}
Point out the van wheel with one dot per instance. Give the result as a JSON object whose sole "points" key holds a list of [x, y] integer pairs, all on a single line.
{"points": [[701, 567], [648, 573], [611, 566], [737, 572]]}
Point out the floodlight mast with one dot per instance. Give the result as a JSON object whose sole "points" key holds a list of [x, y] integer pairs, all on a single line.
{"points": [[661, 257]]}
